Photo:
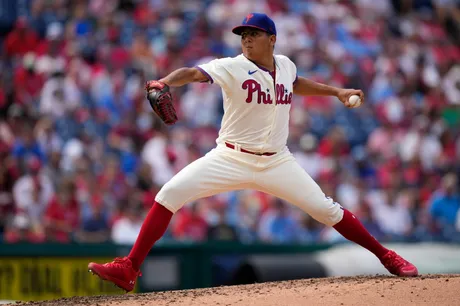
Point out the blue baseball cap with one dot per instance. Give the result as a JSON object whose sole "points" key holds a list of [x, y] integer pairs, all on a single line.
{"points": [[256, 21]]}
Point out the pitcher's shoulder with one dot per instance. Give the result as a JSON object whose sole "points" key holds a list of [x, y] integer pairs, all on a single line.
{"points": [[219, 63], [230, 61], [284, 61], [282, 58]]}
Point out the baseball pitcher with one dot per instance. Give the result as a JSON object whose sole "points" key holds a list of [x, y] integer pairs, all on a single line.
{"points": [[250, 152]]}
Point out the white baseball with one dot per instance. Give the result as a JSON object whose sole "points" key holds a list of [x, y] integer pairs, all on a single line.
{"points": [[355, 101]]}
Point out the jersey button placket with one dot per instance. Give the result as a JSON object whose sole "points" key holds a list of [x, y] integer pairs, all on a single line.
{"points": [[273, 86]]}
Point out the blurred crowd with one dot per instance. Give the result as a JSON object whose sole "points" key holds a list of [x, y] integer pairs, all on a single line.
{"points": [[82, 155]]}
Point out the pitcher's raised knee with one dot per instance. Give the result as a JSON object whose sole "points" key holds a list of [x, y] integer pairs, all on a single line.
{"points": [[171, 196]]}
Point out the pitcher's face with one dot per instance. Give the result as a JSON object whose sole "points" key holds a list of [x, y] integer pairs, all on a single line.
{"points": [[256, 43]]}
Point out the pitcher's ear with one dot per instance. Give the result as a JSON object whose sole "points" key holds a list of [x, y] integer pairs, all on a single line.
{"points": [[273, 40]]}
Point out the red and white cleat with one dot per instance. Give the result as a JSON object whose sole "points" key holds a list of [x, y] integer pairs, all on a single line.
{"points": [[397, 265], [120, 272]]}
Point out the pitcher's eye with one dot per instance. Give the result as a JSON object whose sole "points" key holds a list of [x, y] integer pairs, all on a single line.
{"points": [[250, 33]]}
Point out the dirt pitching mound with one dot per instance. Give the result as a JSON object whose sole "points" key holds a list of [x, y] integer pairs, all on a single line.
{"points": [[362, 290]]}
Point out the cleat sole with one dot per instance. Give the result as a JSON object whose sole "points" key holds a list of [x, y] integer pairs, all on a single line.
{"points": [[106, 280]]}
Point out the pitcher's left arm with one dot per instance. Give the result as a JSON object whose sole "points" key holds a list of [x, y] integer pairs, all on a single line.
{"points": [[306, 87]]}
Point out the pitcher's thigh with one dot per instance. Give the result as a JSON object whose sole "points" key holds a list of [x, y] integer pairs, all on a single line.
{"points": [[209, 175], [288, 181]]}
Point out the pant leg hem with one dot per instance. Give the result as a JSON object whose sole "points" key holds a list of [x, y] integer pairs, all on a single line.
{"points": [[166, 205]]}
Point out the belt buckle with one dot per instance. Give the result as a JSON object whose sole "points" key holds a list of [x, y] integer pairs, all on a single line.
{"points": [[258, 153]]}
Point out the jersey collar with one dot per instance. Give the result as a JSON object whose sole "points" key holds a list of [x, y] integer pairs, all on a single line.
{"points": [[260, 67]]}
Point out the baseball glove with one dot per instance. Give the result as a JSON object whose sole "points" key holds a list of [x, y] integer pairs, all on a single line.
{"points": [[161, 101]]}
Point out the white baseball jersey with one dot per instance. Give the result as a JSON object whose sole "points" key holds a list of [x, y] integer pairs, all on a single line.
{"points": [[256, 111]]}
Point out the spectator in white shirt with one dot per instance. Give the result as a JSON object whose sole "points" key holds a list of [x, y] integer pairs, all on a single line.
{"points": [[31, 192], [390, 209], [155, 155], [419, 142], [308, 157], [451, 85], [60, 95], [126, 229]]}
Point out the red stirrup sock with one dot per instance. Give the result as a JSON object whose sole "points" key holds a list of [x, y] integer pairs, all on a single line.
{"points": [[154, 226], [352, 229]]}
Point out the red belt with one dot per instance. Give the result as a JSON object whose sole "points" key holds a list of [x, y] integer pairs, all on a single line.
{"points": [[229, 145]]}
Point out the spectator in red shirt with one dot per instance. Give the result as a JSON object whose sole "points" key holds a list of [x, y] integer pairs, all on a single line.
{"points": [[21, 40], [62, 214], [51, 51], [334, 144], [27, 82], [190, 225]]}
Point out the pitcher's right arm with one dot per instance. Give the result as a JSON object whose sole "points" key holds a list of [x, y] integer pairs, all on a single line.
{"points": [[184, 76]]}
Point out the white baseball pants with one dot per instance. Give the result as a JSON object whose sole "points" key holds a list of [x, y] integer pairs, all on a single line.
{"points": [[224, 169]]}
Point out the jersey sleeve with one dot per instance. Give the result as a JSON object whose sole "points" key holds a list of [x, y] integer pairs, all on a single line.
{"points": [[218, 71]]}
